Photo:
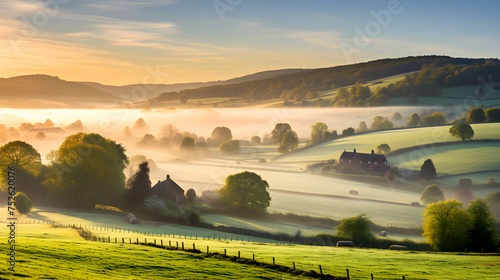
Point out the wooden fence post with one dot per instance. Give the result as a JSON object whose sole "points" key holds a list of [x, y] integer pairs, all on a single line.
{"points": [[208, 250], [194, 247], [238, 254], [320, 271], [372, 276], [348, 274], [253, 257], [182, 246], [293, 265], [273, 261], [224, 252], [137, 240]]}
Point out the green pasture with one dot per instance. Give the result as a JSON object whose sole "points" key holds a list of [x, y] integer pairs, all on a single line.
{"points": [[44, 252], [396, 139], [458, 158], [477, 178]]}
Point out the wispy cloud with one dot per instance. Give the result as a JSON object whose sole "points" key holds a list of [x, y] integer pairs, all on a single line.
{"points": [[114, 5], [329, 40], [14, 8]]}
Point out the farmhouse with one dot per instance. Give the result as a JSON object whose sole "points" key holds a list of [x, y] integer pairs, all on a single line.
{"points": [[168, 190], [355, 162]]}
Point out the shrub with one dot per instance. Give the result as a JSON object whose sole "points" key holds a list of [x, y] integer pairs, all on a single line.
{"points": [[230, 147], [432, 194], [155, 206], [23, 203], [491, 181], [355, 228]]}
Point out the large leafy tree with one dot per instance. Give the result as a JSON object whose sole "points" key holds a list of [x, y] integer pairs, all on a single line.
{"points": [[140, 185], [87, 169], [21, 154], [482, 230], [434, 119], [428, 171], [493, 201], [462, 130], [317, 131], [246, 192], [492, 115], [187, 144], [279, 131], [446, 226], [289, 143], [355, 228], [221, 134], [413, 121], [383, 148], [432, 194], [230, 147], [476, 116]]}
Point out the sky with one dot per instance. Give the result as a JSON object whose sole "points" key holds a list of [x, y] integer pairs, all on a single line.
{"points": [[118, 42]]}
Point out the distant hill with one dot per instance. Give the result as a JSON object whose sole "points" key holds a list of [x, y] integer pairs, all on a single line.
{"points": [[310, 82], [43, 91], [153, 90]]}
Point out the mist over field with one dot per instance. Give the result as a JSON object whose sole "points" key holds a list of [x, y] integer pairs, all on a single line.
{"points": [[243, 122], [253, 139]]}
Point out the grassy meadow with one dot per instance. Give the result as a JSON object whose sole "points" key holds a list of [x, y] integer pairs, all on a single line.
{"points": [[477, 157], [42, 253], [483, 156]]}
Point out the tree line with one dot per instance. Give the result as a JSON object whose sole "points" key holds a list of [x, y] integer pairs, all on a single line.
{"points": [[308, 83]]}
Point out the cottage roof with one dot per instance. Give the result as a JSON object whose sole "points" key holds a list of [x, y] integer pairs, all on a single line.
{"points": [[364, 157], [167, 185]]}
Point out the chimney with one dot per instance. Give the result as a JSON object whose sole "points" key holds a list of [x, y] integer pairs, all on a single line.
{"points": [[354, 150], [373, 152], [168, 176]]}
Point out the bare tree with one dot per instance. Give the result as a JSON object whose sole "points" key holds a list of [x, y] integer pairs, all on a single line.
{"points": [[168, 131]]}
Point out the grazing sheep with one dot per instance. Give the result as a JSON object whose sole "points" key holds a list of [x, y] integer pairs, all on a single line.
{"points": [[398, 247], [353, 192], [345, 244], [383, 233]]}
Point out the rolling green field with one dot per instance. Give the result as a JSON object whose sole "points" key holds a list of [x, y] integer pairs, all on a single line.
{"points": [[60, 253], [396, 139], [479, 157], [44, 252]]}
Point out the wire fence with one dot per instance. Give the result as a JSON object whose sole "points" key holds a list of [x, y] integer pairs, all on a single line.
{"points": [[160, 240]]}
